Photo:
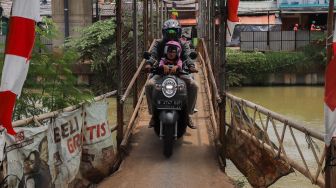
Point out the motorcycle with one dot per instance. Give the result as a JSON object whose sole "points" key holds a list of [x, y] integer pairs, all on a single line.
{"points": [[169, 105]]}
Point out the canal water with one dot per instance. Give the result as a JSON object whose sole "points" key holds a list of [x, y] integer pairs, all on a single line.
{"points": [[300, 103]]}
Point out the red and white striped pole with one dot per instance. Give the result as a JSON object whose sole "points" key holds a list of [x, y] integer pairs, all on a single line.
{"points": [[19, 46], [232, 19]]}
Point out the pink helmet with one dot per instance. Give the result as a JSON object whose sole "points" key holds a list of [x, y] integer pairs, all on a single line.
{"points": [[173, 45]]}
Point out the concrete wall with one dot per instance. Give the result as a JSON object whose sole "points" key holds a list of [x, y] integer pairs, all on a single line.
{"points": [[288, 79], [80, 15]]}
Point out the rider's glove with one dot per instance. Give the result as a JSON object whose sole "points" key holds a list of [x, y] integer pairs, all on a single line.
{"points": [[165, 69], [148, 67], [149, 62], [193, 70], [174, 69]]}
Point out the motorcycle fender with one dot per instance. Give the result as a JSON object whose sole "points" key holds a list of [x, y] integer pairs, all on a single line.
{"points": [[168, 117]]}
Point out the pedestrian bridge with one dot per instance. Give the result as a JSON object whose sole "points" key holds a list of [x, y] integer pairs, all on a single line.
{"points": [[107, 142], [258, 141], [251, 133]]}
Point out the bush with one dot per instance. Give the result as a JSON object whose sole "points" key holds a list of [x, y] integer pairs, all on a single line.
{"points": [[255, 65], [97, 44]]}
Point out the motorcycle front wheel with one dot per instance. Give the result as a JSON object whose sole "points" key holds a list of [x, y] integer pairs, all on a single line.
{"points": [[168, 140]]}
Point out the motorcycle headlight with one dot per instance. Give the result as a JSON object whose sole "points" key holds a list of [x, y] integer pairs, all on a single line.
{"points": [[169, 87]]}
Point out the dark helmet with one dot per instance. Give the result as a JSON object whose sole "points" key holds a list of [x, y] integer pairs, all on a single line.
{"points": [[171, 30]]}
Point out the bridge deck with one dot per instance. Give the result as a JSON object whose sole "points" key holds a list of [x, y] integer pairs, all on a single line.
{"points": [[193, 163]]}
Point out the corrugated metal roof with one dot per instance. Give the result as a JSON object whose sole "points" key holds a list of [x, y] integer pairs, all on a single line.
{"points": [[248, 7], [45, 9]]}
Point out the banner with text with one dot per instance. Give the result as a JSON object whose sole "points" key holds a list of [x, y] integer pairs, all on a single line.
{"points": [[65, 147], [99, 147], [75, 149], [26, 156]]}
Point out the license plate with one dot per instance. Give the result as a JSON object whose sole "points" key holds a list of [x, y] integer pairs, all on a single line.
{"points": [[169, 104]]}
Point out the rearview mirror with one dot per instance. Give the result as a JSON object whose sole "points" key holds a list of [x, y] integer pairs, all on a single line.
{"points": [[193, 55], [147, 55]]}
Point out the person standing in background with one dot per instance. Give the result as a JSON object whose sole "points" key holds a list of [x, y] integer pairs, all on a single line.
{"points": [[312, 26], [174, 13], [296, 27]]}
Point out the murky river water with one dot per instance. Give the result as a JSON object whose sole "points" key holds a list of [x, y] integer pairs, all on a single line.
{"points": [[302, 104]]}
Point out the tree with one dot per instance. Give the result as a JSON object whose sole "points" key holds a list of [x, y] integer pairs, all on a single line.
{"points": [[50, 84], [96, 44]]}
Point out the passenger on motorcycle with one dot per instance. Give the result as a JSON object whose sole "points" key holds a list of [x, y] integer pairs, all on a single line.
{"points": [[172, 54], [172, 32]]}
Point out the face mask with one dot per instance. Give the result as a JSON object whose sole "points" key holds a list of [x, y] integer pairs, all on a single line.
{"points": [[171, 34]]}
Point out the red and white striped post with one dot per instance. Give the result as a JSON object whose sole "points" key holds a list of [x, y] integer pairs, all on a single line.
{"points": [[330, 103], [19, 46], [232, 18]]}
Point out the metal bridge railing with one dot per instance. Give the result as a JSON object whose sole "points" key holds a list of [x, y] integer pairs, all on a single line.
{"points": [[216, 130], [132, 84], [293, 142], [47, 116]]}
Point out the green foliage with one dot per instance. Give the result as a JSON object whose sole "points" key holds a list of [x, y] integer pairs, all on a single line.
{"points": [[96, 42], [97, 45], [50, 83], [256, 65]]}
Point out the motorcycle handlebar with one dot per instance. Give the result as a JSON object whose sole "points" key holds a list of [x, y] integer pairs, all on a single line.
{"points": [[159, 71]]}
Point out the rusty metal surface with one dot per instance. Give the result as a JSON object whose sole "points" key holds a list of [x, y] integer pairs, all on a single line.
{"points": [[193, 164], [259, 165]]}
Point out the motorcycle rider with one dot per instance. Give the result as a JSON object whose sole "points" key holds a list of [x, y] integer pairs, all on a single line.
{"points": [[172, 32]]}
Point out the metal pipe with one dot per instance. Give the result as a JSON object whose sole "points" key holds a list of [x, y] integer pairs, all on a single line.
{"points": [[136, 49], [120, 108], [145, 23], [208, 92], [151, 21], [166, 9], [222, 73], [130, 125], [200, 21], [268, 32], [162, 19], [212, 78], [157, 19], [134, 78], [209, 25], [66, 19], [301, 127], [97, 10], [213, 34], [205, 21]]}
